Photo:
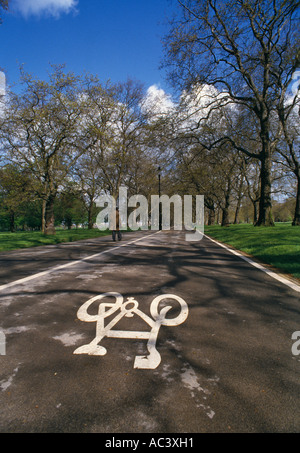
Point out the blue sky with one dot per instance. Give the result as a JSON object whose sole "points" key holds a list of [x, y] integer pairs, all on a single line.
{"points": [[114, 39]]}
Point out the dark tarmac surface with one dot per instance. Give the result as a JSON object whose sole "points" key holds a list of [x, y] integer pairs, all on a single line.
{"points": [[227, 368]]}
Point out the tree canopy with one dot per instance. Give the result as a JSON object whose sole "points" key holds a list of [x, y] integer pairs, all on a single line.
{"points": [[248, 50], [232, 134], [3, 6]]}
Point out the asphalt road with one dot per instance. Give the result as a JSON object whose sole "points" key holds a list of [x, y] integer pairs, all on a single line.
{"points": [[228, 367]]}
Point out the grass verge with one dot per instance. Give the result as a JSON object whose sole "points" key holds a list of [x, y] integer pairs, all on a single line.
{"points": [[20, 239], [278, 246]]}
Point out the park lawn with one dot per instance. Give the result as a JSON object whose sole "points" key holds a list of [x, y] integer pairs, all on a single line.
{"points": [[278, 246], [20, 239]]}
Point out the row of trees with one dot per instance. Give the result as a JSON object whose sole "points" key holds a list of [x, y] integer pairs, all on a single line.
{"points": [[3, 6], [232, 134], [249, 51], [75, 135]]}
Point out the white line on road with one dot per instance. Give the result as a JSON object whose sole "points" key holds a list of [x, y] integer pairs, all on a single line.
{"points": [[72, 263], [272, 274]]}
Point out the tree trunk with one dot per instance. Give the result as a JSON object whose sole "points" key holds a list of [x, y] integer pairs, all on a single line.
{"points": [[49, 214], [225, 210], [296, 220], [255, 210], [90, 215], [69, 222], [237, 211], [209, 204], [211, 217], [265, 217], [225, 217], [43, 215], [12, 221], [239, 201]]}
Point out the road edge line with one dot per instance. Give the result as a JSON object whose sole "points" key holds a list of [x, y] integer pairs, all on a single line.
{"points": [[70, 264], [271, 273]]}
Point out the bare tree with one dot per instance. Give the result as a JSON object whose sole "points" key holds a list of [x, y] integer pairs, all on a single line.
{"points": [[289, 146], [118, 125], [3, 5], [42, 130], [248, 49], [90, 182]]}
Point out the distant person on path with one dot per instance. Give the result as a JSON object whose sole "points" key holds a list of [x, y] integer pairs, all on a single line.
{"points": [[117, 230]]}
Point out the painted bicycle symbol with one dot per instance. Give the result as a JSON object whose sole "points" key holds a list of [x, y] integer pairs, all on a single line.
{"points": [[128, 309]]}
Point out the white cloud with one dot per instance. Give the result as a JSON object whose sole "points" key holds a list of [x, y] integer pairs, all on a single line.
{"points": [[48, 7], [2, 84], [158, 102], [294, 94], [202, 104]]}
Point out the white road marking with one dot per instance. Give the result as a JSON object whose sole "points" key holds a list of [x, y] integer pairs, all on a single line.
{"points": [[72, 263], [272, 274], [129, 309], [5, 384], [69, 339]]}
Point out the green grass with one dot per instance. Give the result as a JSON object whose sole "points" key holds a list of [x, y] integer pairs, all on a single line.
{"points": [[13, 241], [278, 246]]}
